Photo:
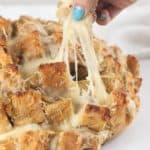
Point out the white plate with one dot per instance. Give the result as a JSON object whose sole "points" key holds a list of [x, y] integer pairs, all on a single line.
{"points": [[137, 135]]}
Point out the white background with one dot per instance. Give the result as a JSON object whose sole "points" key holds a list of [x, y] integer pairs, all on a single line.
{"points": [[131, 31], [44, 1]]}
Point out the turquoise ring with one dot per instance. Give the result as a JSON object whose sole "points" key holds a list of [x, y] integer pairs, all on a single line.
{"points": [[102, 17], [78, 13]]}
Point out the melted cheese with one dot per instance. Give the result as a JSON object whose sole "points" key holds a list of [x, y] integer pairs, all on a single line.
{"points": [[4, 32], [74, 32], [19, 130], [72, 123], [131, 108], [31, 66], [53, 144], [104, 135]]}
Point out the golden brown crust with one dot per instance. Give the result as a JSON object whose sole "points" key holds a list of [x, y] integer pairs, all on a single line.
{"points": [[53, 79], [69, 140], [119, 115], [5, 125], [5, 58], [10, 79], [95, 117], [5, 28], [54, 75], [24, 107], [8, 144], [133, 65], [35, 140], [59, 111], [90, 141], [31, 107], [29, 46], [111, 73], [75, 140], [3, 22]]}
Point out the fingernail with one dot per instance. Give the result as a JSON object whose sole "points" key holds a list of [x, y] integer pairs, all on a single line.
{"points": [[102, 17], [78, 13]]}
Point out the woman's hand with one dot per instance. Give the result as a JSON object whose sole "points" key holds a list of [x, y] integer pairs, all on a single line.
{"points": [[106, 10]]}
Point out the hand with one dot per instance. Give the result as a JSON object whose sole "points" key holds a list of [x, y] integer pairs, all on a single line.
{"points": [[106, 10]]}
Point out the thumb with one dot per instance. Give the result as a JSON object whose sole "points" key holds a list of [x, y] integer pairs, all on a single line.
{"points": [[83, 7]]}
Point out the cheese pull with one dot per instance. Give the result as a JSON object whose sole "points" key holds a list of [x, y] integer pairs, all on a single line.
{"points": [[80, 32]]}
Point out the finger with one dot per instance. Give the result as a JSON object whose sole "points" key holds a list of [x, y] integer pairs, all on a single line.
{"points": [[82, 8], [106, 14], [121, 3], [103, 18]]}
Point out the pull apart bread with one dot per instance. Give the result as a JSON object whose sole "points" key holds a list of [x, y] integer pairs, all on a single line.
{"points": [[39, 104]]}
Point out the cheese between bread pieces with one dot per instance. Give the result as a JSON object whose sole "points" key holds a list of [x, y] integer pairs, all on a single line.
{"points": [[81, 32]]}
